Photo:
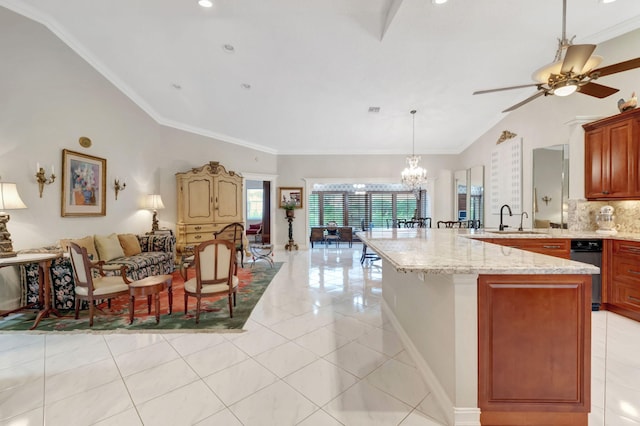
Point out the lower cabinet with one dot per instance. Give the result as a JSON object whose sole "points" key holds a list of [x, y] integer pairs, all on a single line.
{"points": [[534, 349], [622, 289]]}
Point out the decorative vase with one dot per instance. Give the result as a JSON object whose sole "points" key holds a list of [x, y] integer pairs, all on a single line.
{"points": [[290, 213]]}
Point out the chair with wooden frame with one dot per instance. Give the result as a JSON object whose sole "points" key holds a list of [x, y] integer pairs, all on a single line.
{"points": [[449, 224], [93, 288], [233, 232], [216, 274]]}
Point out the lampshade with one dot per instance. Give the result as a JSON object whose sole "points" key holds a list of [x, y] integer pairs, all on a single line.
{"points": [[9, 200], [153, 202], [9, 197], [542, 75]]}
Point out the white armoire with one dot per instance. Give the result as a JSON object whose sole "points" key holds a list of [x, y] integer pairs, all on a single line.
{"points": [[209, 198]]}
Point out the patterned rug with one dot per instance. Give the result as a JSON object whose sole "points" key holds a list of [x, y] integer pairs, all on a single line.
{"points": [[214, 315]]}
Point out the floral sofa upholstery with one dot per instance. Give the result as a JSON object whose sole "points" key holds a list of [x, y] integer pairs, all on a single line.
{"points": [[157, 257]]}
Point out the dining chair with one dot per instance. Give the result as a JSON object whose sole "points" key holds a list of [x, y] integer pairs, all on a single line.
{"points": [[216, 274], [332, 233], [94, 288], [449, 224]]}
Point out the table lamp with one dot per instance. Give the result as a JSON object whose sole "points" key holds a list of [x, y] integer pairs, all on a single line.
{"points": [[9, 200], [154, 202]]}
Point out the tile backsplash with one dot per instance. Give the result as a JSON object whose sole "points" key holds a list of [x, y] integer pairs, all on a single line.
{"points": [[582, 215]]}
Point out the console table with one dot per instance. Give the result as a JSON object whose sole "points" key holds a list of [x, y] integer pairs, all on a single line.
{"points": [[318, 233], [44, 283]]}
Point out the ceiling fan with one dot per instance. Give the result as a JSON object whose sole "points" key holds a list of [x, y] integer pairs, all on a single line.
{"points": [[574, 72]]}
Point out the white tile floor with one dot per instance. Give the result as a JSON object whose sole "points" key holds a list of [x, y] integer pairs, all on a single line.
{"points": [[317, 351]]}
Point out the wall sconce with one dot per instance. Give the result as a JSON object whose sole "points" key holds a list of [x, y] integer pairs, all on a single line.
{"points": [[42, 179], [117, 186], [546, 200]]}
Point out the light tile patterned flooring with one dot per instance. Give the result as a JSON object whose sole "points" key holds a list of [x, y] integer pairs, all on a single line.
{"points": [[317, 351]]}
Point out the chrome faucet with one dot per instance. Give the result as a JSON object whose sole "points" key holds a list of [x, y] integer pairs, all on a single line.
{"points": [[502, 226], [521, 216]]}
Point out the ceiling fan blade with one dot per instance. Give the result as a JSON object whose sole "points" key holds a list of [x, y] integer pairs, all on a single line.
{"points": [[576, 57], [526, 101], [597, 90], [619, 67], [480, 92]]}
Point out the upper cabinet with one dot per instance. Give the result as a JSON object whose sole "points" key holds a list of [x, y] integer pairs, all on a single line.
{"points": [[612, 157]]}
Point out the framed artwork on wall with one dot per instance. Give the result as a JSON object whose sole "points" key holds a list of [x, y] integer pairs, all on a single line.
{"points": [[83, 184], [290, 197]]}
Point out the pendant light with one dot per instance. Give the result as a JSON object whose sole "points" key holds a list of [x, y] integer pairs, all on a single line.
{"points": [[414, 176]]}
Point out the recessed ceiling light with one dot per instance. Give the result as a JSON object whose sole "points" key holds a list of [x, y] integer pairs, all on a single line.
{"points": [[176, 86], [607, 1], [439, 1], [245, 86], [205, 3], [374, 109], [228, 48]]}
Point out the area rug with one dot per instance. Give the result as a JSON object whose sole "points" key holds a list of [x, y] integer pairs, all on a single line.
{"points": [[214, 315]]}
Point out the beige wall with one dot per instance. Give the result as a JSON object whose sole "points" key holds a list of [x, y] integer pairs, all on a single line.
{"points": [[50, 97]]}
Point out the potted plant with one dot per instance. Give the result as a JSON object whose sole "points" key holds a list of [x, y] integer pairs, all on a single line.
{"points": [[289, 206]]}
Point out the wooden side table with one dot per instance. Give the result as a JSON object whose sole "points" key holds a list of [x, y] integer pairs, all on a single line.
{"points": [[150, 287], [44, 283]]}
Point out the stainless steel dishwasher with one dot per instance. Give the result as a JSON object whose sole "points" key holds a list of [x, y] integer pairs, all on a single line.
{"points": [[590, 251]]}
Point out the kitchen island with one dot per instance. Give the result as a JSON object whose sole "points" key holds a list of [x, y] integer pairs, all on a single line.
{"points": [[502, 336]]}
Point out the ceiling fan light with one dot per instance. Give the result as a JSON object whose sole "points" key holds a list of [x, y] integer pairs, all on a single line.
{"points": [[566, 88]]}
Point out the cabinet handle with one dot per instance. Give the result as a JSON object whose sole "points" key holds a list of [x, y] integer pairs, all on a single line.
{"points": [[197, 237], [605, 192], [552, 247], [631, 271], [197, 228], [635, 299]]}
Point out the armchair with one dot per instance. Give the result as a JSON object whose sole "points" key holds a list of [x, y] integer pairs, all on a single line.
{"points": [[90, 288]]}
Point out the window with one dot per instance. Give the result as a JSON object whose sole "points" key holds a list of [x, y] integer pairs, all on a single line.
{"points": [[254, 204], [376, 204]]}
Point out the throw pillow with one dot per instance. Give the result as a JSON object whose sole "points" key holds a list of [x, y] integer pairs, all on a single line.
{"points": [[86, 242], [108, 247], [130, 244]]}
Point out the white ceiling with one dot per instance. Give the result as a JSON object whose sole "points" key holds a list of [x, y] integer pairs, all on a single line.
{"points": [[316, 66]]}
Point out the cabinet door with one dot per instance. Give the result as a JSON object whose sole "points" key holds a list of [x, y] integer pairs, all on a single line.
{"points": [[595, 154], [227, 199], [196, 194], [621, 172]]}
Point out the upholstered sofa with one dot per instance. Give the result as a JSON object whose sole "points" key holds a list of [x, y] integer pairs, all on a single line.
{"points": [[153, 255]]}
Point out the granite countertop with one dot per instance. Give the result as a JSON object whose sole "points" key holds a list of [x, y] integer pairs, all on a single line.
{"points": [[551, 233], [451, 251]]}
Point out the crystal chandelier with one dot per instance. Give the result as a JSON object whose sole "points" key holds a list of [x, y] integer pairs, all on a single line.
{"points": [[414, 176]]}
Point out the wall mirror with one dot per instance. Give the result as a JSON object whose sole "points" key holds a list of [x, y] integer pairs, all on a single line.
{"points": [[469, 194], [550, 186]]}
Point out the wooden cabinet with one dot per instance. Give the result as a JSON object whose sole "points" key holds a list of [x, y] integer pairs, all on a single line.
{"points": [[612, 157], [209, 198], [558, 247], [534, 349], [622, 291]]}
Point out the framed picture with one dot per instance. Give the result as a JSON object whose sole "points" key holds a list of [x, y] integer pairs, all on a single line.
{"points": [[290, 196], [83, 184]]}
